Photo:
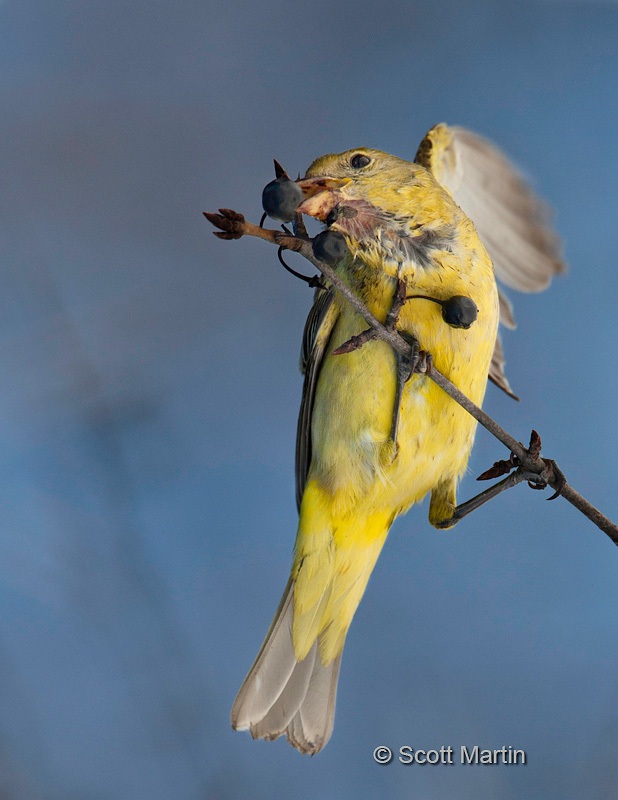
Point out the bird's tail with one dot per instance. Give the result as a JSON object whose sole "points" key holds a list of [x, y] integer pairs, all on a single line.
{"points": [[284, 695], [292, 686]]}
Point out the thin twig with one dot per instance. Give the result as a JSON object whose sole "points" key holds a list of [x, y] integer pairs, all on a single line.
{"points": [[233, 225], [537, 464]]}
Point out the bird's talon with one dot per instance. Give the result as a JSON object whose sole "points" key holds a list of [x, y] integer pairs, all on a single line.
{"points": [[424, 362], [399, 298], [407, 365], [390, 451], [555, 474]]}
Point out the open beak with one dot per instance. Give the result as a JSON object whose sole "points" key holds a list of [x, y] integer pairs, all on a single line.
{"points": [[321, 195]]}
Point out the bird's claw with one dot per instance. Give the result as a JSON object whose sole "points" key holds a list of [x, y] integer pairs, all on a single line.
{"points": [[408, 365], [550, 474], [555, 475], [399, 298], [425, 363]]}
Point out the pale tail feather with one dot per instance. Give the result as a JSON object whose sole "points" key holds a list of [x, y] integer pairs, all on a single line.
{"points": [[283, 695]]}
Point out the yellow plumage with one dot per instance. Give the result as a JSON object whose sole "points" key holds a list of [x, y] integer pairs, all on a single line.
{"points": [[355, 487], [399, 222]]}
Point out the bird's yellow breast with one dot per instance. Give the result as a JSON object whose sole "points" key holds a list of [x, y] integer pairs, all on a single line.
{"points": [[398, 224], [353, 460]]}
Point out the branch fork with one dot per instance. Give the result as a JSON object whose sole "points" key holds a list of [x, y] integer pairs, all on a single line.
{"points": [[522, 464]]}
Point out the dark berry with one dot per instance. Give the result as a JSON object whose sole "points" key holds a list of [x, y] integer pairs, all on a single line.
{"points": [[281, 198], [459, 311], [329, 247]]}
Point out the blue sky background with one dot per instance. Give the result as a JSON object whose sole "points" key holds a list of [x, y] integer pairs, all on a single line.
{"points": [[150, 389]]}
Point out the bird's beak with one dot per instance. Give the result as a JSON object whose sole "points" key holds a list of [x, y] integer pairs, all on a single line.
{"points": [[321, 195]]}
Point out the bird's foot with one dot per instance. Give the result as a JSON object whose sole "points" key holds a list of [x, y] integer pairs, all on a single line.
{"points": [[536, 480]]}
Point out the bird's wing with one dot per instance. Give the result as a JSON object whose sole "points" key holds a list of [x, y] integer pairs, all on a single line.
{"points": [[496, 370], [318, 328], [512, 222]]}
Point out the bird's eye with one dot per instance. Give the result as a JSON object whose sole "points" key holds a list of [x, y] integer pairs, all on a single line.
{"points": [[359, 161]]}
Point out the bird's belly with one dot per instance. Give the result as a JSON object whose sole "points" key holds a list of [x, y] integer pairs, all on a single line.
{"points": [[353, 458]]}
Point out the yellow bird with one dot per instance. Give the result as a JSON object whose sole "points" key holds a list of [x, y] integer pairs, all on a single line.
{"points": [[409, 221]]}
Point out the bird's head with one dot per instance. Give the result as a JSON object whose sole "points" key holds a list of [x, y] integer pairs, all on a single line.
{"points": [[361, 190], [357, 175]]}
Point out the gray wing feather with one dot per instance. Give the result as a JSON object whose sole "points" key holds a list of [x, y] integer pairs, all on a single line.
{"points": [[507, 318], [512, 222], [318, 328], [496, 370]]}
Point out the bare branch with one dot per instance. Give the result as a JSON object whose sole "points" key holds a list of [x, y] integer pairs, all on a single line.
{"points": [[233, 225]]}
